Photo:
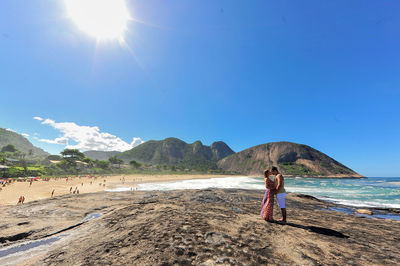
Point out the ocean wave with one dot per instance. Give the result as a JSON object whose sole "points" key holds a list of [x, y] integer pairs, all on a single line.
{"points": [[359, 203], [118, 189], [228, 182]]}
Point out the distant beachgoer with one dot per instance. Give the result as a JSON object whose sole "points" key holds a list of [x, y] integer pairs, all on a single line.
{"points": [[52, 193], [267, 205], [280, 192], [70, 189], [23, 199], [19, 200], [77, 192], [30, 183], [82, 184]]}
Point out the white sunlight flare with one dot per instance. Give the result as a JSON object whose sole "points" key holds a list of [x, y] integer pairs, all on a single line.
{"points": [[102, 19]]}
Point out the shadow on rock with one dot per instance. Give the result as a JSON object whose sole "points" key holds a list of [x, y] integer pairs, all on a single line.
{"points": [[318, 230]]}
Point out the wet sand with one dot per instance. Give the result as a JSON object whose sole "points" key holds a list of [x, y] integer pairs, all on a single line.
{"points": [[192, 227], [10, 194]]}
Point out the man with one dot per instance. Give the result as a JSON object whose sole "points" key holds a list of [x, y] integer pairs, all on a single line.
{"points": [[280, 192]]}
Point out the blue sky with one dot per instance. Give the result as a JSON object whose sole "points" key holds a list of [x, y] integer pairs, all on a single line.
{"points": [[322, 73]]}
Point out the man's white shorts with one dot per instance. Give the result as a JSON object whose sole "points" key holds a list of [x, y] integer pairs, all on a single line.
{"points": [[281, 200]]}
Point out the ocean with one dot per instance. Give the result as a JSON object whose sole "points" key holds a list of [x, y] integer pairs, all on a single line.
{"points": [[372, 192]]}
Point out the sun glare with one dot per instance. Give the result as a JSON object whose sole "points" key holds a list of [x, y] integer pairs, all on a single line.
{"points": [[102, 19]]}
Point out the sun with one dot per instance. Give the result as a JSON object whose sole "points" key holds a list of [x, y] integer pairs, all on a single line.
{"points": [[102, 19]]}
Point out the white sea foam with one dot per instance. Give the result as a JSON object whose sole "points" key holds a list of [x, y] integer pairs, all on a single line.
{"points": [[118, 189], [359, 203], [227, 182]]}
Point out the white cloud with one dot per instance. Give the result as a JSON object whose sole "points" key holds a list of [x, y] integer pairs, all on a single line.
{"points": [[87, 137], [60, 140], [38, 118], [23, 134], [136, 141]]}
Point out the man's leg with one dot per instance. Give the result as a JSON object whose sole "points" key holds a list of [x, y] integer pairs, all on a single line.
{"points": [[282, 204], [283, 215]]}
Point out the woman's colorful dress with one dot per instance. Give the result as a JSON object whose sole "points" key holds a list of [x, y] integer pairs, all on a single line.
{"points": [[267, 205]]}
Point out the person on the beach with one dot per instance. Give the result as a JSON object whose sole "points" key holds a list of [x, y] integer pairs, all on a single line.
{"points": [[280, 191], [52, 193], [267, 205]]}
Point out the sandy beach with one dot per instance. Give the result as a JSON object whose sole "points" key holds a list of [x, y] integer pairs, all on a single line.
{"points": [[41, 189]]}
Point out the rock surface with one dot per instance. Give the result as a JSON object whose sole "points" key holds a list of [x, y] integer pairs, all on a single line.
{"points": [[203, 227], [291, 159]]}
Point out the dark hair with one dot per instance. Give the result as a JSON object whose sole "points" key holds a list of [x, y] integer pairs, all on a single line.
{"points": [[266, 172], [274, 168]]}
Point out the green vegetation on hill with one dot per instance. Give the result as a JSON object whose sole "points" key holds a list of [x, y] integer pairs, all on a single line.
{"points": [[297, 170], [100, 155], [23, 145], [173, 151]]}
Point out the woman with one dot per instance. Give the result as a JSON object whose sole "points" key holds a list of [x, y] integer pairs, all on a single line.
{"points": [[267, 205]]}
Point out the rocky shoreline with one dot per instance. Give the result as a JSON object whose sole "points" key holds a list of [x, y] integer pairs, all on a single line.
{"points": [[328, 177], [191, 227]]}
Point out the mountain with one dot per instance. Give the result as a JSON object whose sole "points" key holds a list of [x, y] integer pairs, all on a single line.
{"points": [[21, 143], [173, 151], [100, 155], [291, 159]]}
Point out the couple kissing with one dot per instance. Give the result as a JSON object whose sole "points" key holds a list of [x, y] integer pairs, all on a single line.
{"points": [[275, 186]]}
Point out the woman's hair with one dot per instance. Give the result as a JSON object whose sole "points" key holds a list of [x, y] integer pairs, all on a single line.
{"points": [[266, 172]]}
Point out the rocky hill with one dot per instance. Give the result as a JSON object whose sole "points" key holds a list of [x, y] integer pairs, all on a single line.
{"points": [[291, 159], [100, 155], [21, 143], [173, 151]]}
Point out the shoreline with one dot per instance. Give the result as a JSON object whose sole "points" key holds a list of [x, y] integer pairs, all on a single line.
{"points": [[42, 189], [327, 177]]}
